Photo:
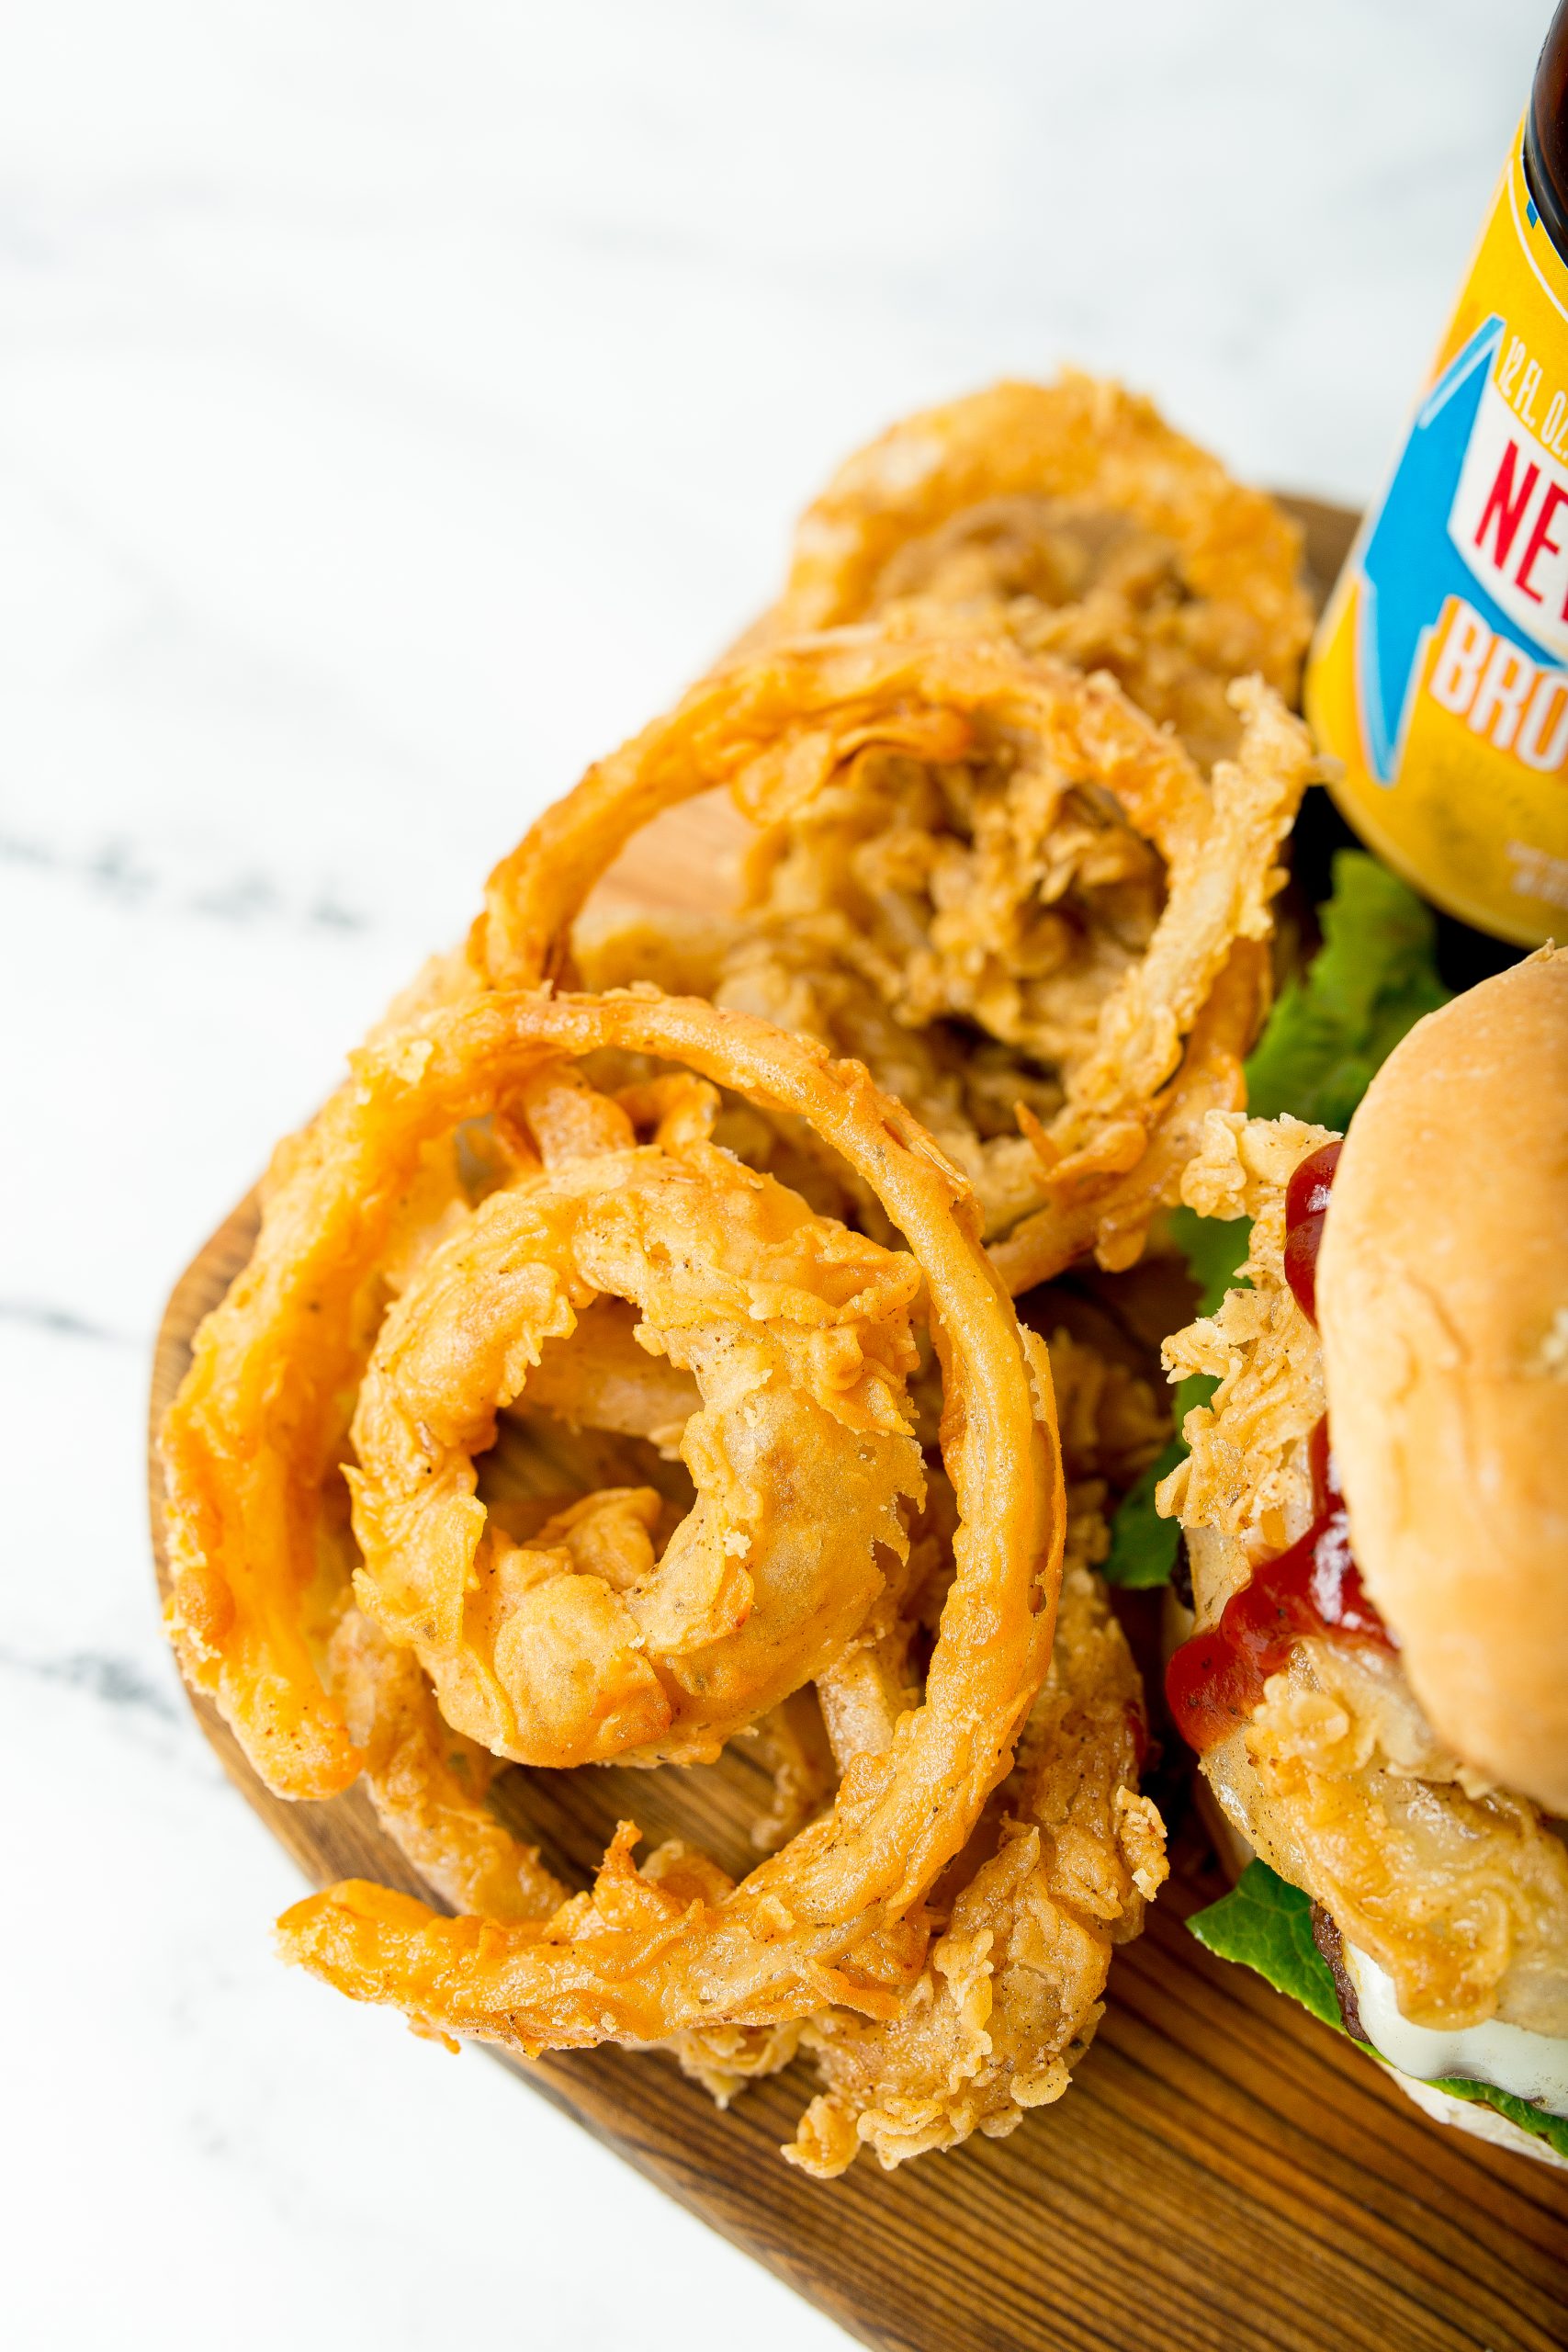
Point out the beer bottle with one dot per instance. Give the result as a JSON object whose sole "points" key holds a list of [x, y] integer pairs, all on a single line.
{"points": [[1439, 673]]}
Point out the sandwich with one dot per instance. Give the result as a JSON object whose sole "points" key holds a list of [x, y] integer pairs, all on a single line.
{"points": [[1370, 1495]]}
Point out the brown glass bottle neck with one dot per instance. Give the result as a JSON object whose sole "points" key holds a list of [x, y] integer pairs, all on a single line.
{"points": [[1546, 133]]}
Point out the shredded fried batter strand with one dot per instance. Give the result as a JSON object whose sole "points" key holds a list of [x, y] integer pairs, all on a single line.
{"points": [[428, 1783]]}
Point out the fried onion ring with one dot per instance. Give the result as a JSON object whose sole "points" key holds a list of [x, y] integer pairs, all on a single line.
{"points": [[1112, 1217], [1013, 903], [1072, 516], [834, 1918], [577, 1645], [966, 1092], [779, 730], [428, 1783], [953, 833], [1058, 1871]]}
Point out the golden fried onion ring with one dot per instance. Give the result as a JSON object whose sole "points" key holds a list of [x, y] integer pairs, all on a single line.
{"points": [[1078, 440], [775, 728], [428, 1783], [1059, 1869], [257, 1425], [428, 1786], [577, 1645], [944, 925], [781, 728]]}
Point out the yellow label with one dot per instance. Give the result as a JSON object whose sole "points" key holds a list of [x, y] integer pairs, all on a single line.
{"points": [[1440, 674]]}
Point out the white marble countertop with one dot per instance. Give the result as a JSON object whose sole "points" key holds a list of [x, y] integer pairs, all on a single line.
{"points": [[399, 404]]}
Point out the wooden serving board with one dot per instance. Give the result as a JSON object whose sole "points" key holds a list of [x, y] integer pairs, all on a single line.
{"points": [[1224, 2175]]}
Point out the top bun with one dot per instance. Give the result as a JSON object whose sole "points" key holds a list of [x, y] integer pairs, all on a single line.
{"points": [[1442, 1297]]}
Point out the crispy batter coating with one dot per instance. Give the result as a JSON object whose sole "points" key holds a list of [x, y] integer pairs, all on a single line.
{"points": [[1111, 1217], [1457, 1889], [1003, 890], [607, 1380], [964, 1090], [1070, 900], [301, 1301], [1056, 1875], [1071, 516], [428, 1783], [987, 877], [956, 1095], [981, 873], [833, 1919], [1112, 1423], [791, 1744], [1245, 1475], [1061, 1865], [780, 729], [1001, 946], [579, 1645]]}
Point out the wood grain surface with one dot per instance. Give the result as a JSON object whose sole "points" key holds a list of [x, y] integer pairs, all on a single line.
{"points": [[1224, 2175]]}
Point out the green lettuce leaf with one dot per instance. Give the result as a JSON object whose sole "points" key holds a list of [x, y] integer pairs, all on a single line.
{"points": [[1372, 980], [1553, 2129], [1143, 1545], [1264, 1923]]}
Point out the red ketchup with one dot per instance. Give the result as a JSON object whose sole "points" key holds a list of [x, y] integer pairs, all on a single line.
{"points": [[1306, 1205], [1214, 1682]]}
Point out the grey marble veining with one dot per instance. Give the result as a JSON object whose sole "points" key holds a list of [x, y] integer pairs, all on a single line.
{"points": [[399, 404]]}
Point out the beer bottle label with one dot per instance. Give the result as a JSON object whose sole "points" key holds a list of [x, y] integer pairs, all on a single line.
{"points": [[1440, 675]]}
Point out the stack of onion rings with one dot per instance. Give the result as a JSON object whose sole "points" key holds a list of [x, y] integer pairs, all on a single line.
{"points": [[1001, 946], [835, 1918]]}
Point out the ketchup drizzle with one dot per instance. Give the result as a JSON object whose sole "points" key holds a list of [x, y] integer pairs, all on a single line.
{"points": [[1306, 1205], [1214, 1682]]}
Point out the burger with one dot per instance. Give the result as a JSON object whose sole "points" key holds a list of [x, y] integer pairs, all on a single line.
{"points": [[1373, 1512]]}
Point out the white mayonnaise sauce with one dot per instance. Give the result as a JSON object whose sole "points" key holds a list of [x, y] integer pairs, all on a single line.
{"points": [[1530, 2065]]}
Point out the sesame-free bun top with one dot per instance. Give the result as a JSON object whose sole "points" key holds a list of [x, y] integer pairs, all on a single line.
{"points": [[1442, 1297]]}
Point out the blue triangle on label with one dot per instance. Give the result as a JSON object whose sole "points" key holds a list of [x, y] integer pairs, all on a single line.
{"points": [[1411, 565]]}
